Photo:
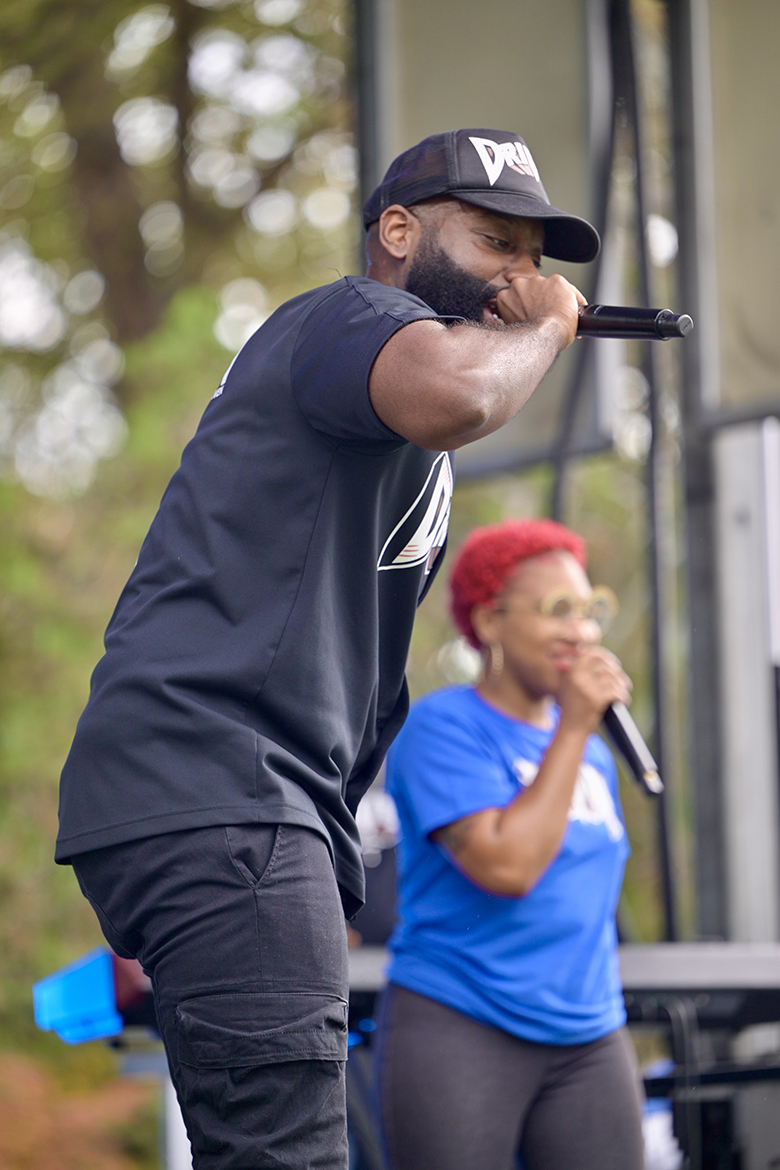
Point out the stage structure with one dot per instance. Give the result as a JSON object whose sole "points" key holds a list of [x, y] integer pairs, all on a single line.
{"points": [[422, 69], [564, 73], [726, 90]]}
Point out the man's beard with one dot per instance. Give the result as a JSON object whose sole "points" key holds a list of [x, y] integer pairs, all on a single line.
{"points": [[451, 291]]}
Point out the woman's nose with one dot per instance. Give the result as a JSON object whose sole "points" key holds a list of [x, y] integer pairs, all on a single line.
{"points": [[587, 629]]}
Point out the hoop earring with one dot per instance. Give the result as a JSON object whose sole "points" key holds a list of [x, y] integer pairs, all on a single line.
{"points": [[496, 659]]}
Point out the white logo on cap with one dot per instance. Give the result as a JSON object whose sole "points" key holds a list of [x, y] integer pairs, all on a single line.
{"points": [[494, 156]]}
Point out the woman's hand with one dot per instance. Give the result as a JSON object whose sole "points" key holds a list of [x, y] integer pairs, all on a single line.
{"points": [[594, 682]]}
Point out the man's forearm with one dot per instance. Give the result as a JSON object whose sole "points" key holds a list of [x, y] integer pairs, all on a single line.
{"points": [[442, 388], [505, 370]]}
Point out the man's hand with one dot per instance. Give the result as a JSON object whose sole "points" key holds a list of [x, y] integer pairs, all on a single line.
{"points": [[594, 682], [538, 298]]}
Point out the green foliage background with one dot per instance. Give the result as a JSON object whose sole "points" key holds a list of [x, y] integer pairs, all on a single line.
{"points": [[65, 553], [63, 566]]}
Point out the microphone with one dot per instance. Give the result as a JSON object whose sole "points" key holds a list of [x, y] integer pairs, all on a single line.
{"points": [[620, 321], [627, 738]]}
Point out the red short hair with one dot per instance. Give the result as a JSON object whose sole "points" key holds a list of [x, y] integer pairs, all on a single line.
{"points": [[489, 555]]}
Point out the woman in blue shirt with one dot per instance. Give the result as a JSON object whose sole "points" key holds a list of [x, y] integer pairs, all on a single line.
{"points": [[502, 1032]]}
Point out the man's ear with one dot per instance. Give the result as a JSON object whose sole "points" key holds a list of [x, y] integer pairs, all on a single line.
{"points": [[399, 232]]}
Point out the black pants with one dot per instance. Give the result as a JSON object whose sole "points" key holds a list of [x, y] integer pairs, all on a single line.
{"points": [[242, 933], [457, 1095]]}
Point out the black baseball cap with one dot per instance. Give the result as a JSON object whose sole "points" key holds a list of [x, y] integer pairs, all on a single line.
{"points": [[489, 168]]}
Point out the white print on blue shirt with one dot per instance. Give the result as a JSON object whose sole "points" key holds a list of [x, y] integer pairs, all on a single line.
{"points": [[591, 801]]}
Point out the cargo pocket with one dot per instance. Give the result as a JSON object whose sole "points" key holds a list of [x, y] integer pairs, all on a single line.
{"points": [[255, 1028]]}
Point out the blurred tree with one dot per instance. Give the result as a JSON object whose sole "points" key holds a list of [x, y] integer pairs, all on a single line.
{"points": [[169, 173], [147, 147]]}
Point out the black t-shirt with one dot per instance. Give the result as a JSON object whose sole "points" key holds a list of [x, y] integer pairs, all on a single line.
{"points": [[254, 665]]}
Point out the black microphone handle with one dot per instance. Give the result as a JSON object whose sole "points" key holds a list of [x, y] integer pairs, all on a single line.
{"points": [[626, 322], [627, 738]]}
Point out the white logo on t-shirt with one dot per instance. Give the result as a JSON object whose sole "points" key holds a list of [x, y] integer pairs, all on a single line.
{"points": [[221, 386], [494, 156], [591, 801], [420, 533]]}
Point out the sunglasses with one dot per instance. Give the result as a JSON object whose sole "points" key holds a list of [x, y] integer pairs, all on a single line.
{"points": [[601, 607]]}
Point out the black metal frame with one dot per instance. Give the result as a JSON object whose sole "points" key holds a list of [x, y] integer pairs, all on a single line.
{"points": [[705, 747], [364, 84], [626, 86]]}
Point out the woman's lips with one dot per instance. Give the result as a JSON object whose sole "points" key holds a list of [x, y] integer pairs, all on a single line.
{"points": [[564, 660]]}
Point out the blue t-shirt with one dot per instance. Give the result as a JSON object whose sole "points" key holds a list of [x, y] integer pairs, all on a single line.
{"points": [[542, 967]]}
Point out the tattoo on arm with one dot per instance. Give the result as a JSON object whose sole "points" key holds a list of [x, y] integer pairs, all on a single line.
{"points": [[453, 837]]}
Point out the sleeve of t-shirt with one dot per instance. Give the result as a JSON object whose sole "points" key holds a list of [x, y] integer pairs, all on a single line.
{"points": [[336, 347], [444, 767]]}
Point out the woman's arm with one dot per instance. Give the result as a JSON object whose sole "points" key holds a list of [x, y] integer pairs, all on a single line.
{"points": [[506, 850]]}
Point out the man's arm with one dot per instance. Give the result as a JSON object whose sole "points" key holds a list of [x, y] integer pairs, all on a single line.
{"points": [[444, 387]]}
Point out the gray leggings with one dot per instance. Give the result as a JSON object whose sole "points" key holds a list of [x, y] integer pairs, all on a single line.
{"points": [[457, 1095]]}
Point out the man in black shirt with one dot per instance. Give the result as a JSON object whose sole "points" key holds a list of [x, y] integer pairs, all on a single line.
{"points": [[254, 669]]}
